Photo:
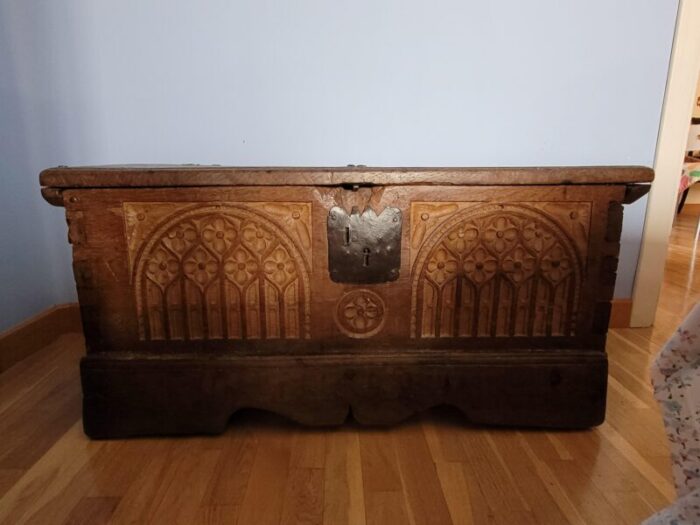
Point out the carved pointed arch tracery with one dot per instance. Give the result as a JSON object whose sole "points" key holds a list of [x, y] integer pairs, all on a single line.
{"points": [[225, 271], [500, 270]]}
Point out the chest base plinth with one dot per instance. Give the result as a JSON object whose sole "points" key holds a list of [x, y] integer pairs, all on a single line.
{"points": [[130, 395]]}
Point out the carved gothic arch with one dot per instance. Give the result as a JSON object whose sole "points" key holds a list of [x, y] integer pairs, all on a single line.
{"points": [[222, 271], [492, 271]]}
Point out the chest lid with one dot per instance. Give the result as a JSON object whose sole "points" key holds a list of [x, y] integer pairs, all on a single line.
{"points": [[149, 175]]}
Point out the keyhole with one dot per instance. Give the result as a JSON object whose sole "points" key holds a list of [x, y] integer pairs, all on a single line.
{"points": [[347, 235], [365, 254]]}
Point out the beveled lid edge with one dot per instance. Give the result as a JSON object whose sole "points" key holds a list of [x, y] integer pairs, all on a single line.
{"points": [[133, 176]]}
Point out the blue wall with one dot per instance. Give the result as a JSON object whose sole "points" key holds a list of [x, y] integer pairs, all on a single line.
{"points": [[400, 82]]}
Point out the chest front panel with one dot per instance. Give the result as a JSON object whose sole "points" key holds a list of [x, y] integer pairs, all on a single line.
{"points": [[246, 269]]}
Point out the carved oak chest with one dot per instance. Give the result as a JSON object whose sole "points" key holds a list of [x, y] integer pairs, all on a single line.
{"points": [[322, 292]]}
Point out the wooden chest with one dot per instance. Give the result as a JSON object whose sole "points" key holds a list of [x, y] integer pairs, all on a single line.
{"points": [[322, 292]]}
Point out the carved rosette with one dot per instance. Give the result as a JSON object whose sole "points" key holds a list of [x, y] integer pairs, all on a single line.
{"points": [[496, 270], [224, 272], [360, 313]]}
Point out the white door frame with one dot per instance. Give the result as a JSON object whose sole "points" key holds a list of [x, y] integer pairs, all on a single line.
{"points": [[668, 162]]}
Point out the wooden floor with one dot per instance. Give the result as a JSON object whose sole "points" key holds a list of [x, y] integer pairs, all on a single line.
{"points": [[431, 469]]}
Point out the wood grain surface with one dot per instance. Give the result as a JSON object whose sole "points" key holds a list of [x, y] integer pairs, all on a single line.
{"points": [[194, 175]]}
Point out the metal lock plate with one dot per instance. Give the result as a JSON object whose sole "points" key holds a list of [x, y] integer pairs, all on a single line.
{"points": [[364, 248]]}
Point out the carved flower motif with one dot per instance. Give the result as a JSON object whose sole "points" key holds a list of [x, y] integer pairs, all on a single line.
{"points": [[279, 267], [442, 266], [162, 268], [536, 237], [463, 238], [480, 265], [362, 313], [556, 264], [219, 234], [257, 238], [240, 267], [200, 267], [519, 265], [181, 238], [500, 234]]}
